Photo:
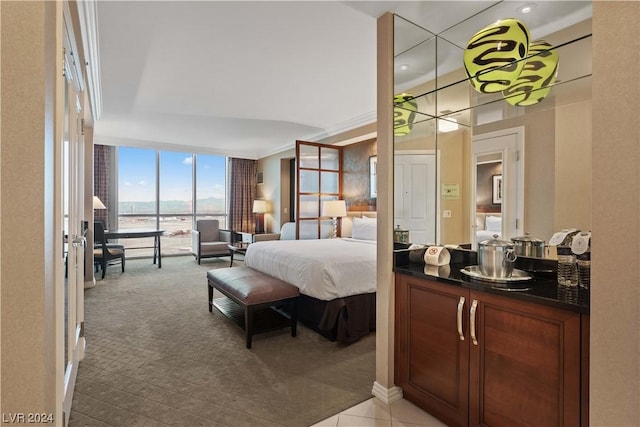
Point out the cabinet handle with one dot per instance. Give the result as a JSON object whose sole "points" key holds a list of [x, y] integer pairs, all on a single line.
{"points": [[472, 314], [460, 307]]}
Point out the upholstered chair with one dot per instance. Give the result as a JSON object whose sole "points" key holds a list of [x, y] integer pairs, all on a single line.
{"points": [[209, 241]]}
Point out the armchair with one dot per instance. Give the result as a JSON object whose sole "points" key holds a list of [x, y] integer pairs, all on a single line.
{"points": [[208, 240]]}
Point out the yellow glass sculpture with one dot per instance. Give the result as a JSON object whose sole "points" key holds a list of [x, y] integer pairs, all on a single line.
{"points": [[404, 113], [494, 56], [537, 76]]}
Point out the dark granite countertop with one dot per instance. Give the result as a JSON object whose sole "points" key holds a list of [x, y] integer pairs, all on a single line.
{"points": [[541, 289]]}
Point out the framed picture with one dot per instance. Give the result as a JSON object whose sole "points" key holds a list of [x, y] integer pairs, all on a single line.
{"points": [[373, 173], [497, 189]]}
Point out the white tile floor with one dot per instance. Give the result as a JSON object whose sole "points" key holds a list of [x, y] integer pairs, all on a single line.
{"points": [[375, 413]]}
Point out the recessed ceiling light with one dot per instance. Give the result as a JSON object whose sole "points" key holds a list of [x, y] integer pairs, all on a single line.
{"points": [[404, 67], [526, 8]]}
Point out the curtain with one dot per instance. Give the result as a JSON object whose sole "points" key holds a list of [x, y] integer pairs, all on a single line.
{"points": [[101, 170], [242, 193]]}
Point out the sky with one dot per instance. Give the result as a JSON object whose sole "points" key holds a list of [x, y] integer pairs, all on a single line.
{"points": [[136, 175]]}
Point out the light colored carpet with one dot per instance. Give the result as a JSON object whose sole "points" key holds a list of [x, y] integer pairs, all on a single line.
{"points": [[156, 356]]}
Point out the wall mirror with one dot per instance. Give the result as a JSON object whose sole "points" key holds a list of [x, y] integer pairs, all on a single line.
{"points": [[373, 177], [451, 141]]}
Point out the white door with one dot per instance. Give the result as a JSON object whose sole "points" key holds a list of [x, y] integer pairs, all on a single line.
{"points": [[508, 146], [69, 182], [415, 196]]}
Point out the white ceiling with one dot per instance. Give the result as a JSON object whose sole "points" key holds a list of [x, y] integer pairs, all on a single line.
{"points": [[246, 79]]}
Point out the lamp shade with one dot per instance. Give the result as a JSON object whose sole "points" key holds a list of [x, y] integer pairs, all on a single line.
{"points": [[97, 203], [259, 206], [495, 55], [537, 76], [334, 208], [404, 113]]}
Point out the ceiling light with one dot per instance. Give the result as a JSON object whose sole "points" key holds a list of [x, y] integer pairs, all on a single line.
{"points": [[404, 67], [447, 125], [526, 8]]}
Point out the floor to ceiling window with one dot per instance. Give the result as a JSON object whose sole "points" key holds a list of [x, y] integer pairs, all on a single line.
{"points": [[157, 188]]}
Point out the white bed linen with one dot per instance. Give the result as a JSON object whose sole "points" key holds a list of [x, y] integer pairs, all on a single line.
{"points": [[325, 269]]}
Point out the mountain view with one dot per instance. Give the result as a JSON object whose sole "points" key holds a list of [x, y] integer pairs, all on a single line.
{"points": [[213, 205]]}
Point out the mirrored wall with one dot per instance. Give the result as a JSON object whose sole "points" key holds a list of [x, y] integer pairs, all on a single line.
{"points": [[469, 165]]}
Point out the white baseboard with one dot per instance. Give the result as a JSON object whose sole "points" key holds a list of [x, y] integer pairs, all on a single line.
{"points": [[387, 395]]}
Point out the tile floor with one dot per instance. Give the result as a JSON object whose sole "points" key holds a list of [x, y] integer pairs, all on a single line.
{"points": [[375, 413]]}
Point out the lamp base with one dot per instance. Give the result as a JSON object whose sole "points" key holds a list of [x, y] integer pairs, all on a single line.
{"points": [[260, 223]]}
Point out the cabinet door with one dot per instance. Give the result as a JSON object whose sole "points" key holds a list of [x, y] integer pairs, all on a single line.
{"points": [[432, 364], [525, 366]]}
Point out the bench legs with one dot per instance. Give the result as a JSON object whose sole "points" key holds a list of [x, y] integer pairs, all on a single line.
{"points": [[249, 310], [248, 319], [294, 316], [210, 296]]}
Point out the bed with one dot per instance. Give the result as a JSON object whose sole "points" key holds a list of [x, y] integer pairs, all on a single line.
{"points": [[488, 225], [336, 278]]}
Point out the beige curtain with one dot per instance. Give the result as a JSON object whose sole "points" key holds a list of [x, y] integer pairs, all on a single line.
{"points": [[242, 193]]}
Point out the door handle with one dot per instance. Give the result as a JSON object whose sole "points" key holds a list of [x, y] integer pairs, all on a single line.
{"points": [[460, 308], [79, 241], [472, 315]]}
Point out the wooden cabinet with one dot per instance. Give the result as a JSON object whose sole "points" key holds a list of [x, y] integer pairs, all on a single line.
{"points": [[473, 358]]}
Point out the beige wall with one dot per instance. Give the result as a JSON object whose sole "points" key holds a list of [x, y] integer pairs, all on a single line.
{"points": [[275, 188], [384, 385], [615, 282], [27, 81], [454, 149], [572, 205]]}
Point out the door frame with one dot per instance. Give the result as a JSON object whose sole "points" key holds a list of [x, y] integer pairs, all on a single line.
{"points": [[69, 290], [513, 179]]}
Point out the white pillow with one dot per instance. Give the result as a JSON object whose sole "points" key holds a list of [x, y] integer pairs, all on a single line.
{"points": [[493, 223], [364, 229]]}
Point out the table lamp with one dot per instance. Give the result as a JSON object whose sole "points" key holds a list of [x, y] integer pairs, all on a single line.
{"points": [[334, 209], [259, 208], [97, 203]]}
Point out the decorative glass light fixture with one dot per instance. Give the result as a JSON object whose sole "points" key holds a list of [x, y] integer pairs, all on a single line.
{"points": [[495, 55], [537, 76], [404, 113]]}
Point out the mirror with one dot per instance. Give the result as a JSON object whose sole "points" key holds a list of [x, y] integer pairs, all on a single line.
{"points": [[468, 163], [373, 174]]}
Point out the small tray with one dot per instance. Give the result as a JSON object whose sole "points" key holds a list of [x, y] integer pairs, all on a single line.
{"points": [[517, 275]]}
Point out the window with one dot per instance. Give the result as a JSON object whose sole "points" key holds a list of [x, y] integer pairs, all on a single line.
{"points": [[211, 191], [158, 189]]}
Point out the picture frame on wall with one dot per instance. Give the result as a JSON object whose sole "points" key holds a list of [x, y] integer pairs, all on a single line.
{"points": [[497, 189]]}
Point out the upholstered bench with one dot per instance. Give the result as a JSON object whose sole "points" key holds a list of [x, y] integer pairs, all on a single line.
{"points": [[249, 296]]}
